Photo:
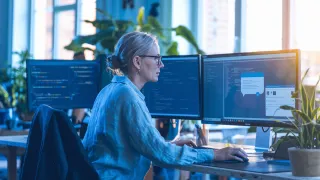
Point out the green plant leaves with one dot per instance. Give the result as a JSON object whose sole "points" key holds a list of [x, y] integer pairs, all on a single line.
{"points": [[111, 30], [109, 42], [305, 104], [306, 121], [312, 101], [295, 94], [156, 27], [16, 95], [305, 75], [304, 116], [104, 13], [187, 35], [140, 16], [173, 49], [4, 97], [314, 113], [286, 107]]}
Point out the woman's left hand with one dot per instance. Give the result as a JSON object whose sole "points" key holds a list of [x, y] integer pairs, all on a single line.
{"points": [[184, 142]]}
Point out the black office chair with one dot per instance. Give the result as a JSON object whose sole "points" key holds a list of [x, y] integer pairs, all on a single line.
{"points": [[54, 150]]}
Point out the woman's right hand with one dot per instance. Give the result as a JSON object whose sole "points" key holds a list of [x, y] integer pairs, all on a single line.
{"points": [[229, 154]]}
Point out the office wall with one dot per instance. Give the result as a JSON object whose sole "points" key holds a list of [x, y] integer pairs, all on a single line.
{"points": [[5, 32]]}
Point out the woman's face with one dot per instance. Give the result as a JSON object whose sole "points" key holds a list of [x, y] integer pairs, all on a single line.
{"points": [[150, 66]]}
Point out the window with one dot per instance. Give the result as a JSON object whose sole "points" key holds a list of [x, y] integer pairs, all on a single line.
{"points": [[64, 32], [65, 2], [212, 22], [56, 22], [42, 29], [181, 15], [217, 26], [263, 27], [87, 12], [305, 30]]}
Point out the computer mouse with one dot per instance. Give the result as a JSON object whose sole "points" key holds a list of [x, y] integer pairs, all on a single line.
{"points": [[243, 159]]}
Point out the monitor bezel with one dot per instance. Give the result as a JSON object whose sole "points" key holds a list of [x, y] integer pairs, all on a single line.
{"points": [[257, 123], [199, 116], [28, 61]]}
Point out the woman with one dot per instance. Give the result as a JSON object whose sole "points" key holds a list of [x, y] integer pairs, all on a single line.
{"points": [[121, 139]]}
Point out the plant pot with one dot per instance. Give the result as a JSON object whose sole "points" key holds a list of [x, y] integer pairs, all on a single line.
{"points": [[305, 162]]}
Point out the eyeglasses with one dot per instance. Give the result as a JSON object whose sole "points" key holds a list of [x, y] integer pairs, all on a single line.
{"points": [[158, 58]]}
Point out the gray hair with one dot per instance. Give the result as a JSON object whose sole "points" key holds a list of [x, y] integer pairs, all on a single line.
{"points": [[130, 45]]}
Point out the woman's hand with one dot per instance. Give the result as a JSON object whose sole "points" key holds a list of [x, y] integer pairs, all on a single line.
{"points": [[229, 154], [179, 142]]}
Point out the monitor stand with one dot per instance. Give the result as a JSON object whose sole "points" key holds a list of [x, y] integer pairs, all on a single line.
{"points": [[263, 139]]}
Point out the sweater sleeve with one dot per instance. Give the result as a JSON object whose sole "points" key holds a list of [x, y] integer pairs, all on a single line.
{"points": [[146, 139]]}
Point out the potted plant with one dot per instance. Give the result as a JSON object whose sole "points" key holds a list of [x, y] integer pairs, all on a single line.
{"points": [[305, 158], [4, 105], [110, 31], [13, 87]]}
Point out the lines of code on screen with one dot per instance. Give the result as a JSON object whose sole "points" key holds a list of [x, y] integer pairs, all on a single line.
{"points": [[176, 94], [62, 84], [250, 88]]}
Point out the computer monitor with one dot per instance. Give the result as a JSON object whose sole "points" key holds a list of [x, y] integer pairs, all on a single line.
{"points": [[62, 84], [177, 94], [248, 88]]}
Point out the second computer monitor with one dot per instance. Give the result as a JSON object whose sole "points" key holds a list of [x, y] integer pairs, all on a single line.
{"points": [[62, 84], [249, 88], [177, 92]]}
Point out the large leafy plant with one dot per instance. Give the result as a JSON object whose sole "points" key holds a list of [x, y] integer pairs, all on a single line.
{"points": [[306, 120], [13, 84], [110, 30]]}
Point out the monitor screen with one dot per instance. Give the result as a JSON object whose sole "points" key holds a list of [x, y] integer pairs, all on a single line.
{"points": [[177, 92], [62, 84], [249, 88]]}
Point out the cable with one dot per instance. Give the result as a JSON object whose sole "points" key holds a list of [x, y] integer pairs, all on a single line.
{"points": [[274, 140], [265, 130]]}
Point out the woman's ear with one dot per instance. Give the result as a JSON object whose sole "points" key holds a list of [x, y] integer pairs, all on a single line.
{"points": [[137, 62]]}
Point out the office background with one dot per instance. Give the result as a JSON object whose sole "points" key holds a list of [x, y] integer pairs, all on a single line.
{"points": [[220, 26], [44, 27]]}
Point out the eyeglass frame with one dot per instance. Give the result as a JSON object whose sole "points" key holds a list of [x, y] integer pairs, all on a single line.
{"points": [[158, 58]]}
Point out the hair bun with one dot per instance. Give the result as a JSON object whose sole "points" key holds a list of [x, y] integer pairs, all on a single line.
{"points": [[113, 62]]}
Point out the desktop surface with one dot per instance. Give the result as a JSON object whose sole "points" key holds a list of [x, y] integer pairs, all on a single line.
{"points": [[259, 167], [256, 163]]}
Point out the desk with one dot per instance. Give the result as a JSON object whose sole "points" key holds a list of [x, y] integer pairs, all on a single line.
{"points": [[13, 143], [11, 146], [242, 174]]}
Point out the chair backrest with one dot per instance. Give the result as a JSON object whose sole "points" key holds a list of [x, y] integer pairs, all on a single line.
{"points": [[54, 150]]}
